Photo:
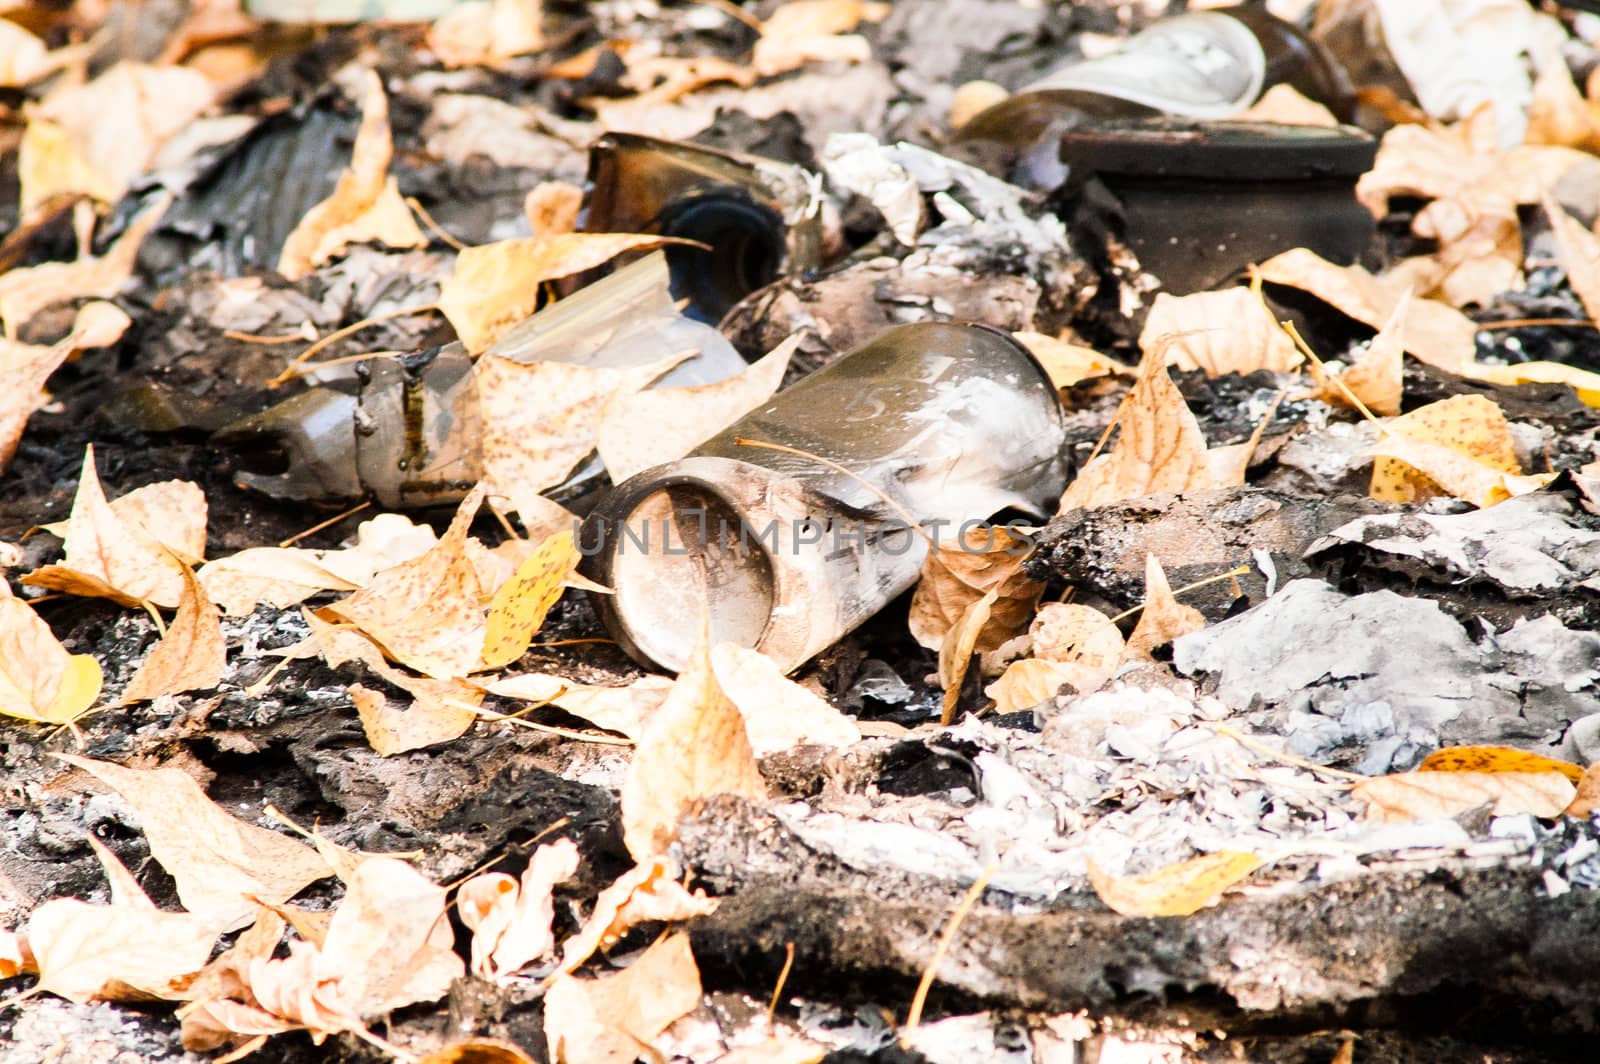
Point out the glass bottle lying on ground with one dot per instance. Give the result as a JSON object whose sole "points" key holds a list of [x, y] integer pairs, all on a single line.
{"points": [[789, 546]]}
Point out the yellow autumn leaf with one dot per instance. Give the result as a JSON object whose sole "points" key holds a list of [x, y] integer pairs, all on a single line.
{"points": [[39, 680], [1469, 425], [1496, 759], [520, 606], [1230, 331], [1176, 890], [1067, 363]]}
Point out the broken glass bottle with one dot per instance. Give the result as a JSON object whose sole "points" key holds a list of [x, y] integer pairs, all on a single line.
{"points": [[759, 218], [1202, 65], [808, 515]]}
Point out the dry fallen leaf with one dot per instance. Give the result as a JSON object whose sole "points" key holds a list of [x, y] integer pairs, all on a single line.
{"points": [[1163, 617], [1067, 363], [645, 428], [1159, 448], [1375, 378], [802, 31], [955, 652], [540, 420], [1029, 681], [1579, 251], [1468, 426], [16, 958], [777, 1049], [478, 1051], [553, 207], [1420, 795], [1436, 333], [510, 919], [26, 367], [778, 713], [495, 286], [39, 680], [694, 746], [987, 558], [426, 613], [613, 1019], [487, 32], [1283, 105], [1586, 799], [1230, 331], [191, 656], [1496, 759], [220, 863], [1176, 890], [108, 557], [1072, 644], [24, 59], [521, 604], [28, 290], [620, 709], [126, 951], [365, 205], [392, 729], [97, 137], [1558, 114], [647, 892]]}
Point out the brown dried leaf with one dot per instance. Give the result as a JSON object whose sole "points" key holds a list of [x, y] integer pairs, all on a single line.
{"points": [[1230, 331], [191, 656], [778, 713], [1586, 798], [28, 290], [1067, 363], [15, 956], [1159, 448], [495, 286], [1420, 795], [1436, 333], [220, 863], [552, 207], [126, 951], [645, 428], [107, 557], [987, 558], [97, 137], [647, 892], [510, 920], [612, 1020], [26, 367], [427, 612], [540, 420], [1469, 427], [694, 746], [1176, 890], [366, 204], [1579, 251], [1558, 114], [39, 680], [488, 32], [1375, 378], [955, 652], [620, 709], [802, 31], [395, 729], [478, 1051], [1163, 617]]}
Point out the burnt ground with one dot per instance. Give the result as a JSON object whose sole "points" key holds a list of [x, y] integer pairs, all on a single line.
{"points": [[1457, 949]]}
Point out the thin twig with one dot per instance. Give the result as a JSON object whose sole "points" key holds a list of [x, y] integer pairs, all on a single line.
{"points": [[1219, 578], [783, 977], [254, 338], [1288, 759], [438, 230], [973, 893], [291, 370], [567, 733], [314, 529], [1305, 349]]}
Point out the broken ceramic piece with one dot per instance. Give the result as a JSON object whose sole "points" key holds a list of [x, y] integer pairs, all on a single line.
{"points": [[807, 516]]}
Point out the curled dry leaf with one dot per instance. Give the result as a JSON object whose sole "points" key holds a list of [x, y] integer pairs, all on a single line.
{"points": [[126, 951], [1230, 331], [392, 729], [987, 558], [803, 31], [1072, 644], [1375, 378], [1496, 759], [645, 428], [694, 746], [1163, 617], [612, 1020], [1067, 363], [955, 652], [649, 891], [1420, 795], [1469, 427], [39, 680], [426, 613], [495, 286], [778, 713], [97, 137], [1176, 890], [108, 557], [1579, 250], [510, 919], [488, 32], [620, 709], [26, 291], [26, 367], [1159, 448], [1436, 333], [191, 656], [1586, 799], [220, 863], [366, 204]]}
